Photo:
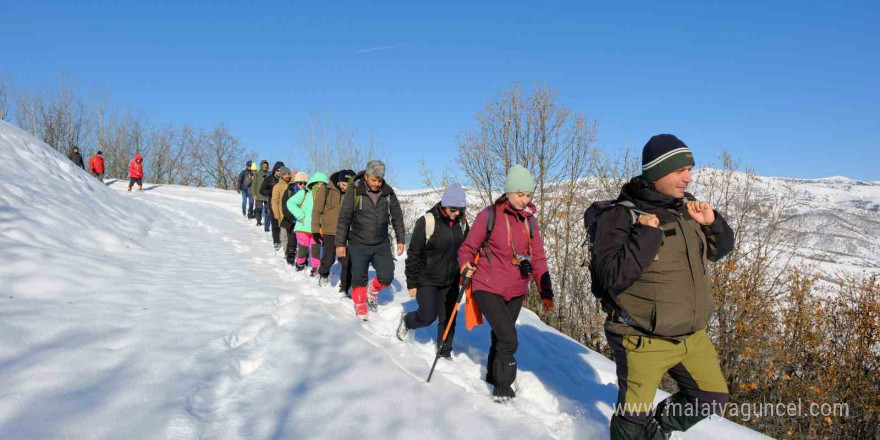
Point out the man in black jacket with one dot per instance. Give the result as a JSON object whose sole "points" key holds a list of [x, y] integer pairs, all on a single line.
{"points": [[243, 185], [368, 208], [650, 254], [266, 191], [76, 158], [432, 274]]}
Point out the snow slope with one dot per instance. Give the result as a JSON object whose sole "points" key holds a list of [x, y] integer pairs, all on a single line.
{"points": [[163, 314]]}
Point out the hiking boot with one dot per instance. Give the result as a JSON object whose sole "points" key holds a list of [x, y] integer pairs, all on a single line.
{"points": [[323, 280], [446, 356], [358, 295], [648, 430], [299, 267], [402, 329], [346, 293], [129, 189], [259, 223], [503, 394], [313, 272], [277, 246], [373, 289]]}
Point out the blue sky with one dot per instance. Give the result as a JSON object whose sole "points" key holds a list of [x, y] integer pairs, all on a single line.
{"points": [[788, 87]]}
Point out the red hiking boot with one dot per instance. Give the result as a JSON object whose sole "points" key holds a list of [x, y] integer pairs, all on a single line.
{"points": [[359, 296]]}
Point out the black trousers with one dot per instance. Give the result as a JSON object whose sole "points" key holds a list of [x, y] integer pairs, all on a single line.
{"points": [[290, 246], [276, 227], [435, 303], [502, 315], [133, 180], [328, 257], [362, 255]]}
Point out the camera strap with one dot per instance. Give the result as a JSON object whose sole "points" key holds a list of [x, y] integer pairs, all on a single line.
{"points": [[528, 233]]}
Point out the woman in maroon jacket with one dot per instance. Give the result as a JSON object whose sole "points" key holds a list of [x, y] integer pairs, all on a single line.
{"points": [[513, 254]]}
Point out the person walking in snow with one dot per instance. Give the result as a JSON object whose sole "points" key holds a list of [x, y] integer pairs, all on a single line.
{"points": [[368, 208], [261, 205], [243, 185], [277, 194], [288, 219], [302, 206], [509, 255], [325, 218], [649, 255], [136, 172], [432, 275], [76, 158], [266, 191], [96, 166]]}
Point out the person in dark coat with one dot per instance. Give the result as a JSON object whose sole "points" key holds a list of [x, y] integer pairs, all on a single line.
{"points": [[368, 208], [432, 275], [261, 202], [243, 185], [650, 254], [266, 191], [76, 158]]}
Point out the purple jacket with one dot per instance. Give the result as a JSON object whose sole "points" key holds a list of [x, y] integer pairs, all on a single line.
{"points": [[500, 276]]}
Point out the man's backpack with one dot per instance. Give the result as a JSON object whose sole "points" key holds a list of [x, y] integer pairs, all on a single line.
{"points": [[608, 299]]}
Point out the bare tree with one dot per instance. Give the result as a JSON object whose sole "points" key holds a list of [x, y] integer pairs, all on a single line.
{"points": [[330, 149], [5, 91]]}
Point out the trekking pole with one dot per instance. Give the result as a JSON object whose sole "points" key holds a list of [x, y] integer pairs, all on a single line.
{"points": [[442, 344]]}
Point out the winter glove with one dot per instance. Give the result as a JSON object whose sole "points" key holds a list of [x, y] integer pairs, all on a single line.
{"points": [[548, 305], [318, 237]]}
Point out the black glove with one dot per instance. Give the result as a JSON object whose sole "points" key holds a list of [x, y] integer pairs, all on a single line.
{"points": [[318, 237]]}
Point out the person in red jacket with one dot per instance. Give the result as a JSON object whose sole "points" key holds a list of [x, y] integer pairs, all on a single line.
{"points": [[136, 172], [96, 166], [513, 254]]}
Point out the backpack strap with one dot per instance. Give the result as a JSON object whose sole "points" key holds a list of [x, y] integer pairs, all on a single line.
{"points": [[429, 226], [490, 225], [631, 207]]}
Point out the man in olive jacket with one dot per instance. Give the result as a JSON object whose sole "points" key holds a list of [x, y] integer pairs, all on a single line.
{"points": [[325, 216], [651, 254], [368, 207], [261, 202]]}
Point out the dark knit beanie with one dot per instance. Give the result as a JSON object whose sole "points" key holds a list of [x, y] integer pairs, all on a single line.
{"points": [[663, 154], [343, 176]]}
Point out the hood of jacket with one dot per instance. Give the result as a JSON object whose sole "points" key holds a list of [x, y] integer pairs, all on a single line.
{"points": [[138, 156], [318, 177]]}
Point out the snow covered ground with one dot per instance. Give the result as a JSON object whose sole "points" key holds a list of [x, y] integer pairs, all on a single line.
{"points": [[164, 314]]}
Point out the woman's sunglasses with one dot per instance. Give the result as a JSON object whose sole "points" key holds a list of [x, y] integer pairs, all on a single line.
{"points": [[299, 183]]}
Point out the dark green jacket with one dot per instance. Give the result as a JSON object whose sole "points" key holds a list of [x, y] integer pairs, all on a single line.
{"points": [[259, 176], [660, 275]]}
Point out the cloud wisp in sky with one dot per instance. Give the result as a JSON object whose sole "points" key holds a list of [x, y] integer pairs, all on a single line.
{"points": [[374, 49]]}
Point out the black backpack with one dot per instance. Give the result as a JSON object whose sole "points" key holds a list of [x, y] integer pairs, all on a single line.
{"points": [[607, 298]]}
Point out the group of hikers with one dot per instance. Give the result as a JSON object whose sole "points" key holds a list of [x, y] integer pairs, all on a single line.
{"points": [[96, 167], [649, 250]]}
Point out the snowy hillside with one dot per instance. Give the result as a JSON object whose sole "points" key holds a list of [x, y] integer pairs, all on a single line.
{"points": [[838, 220], [164, 314]]}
